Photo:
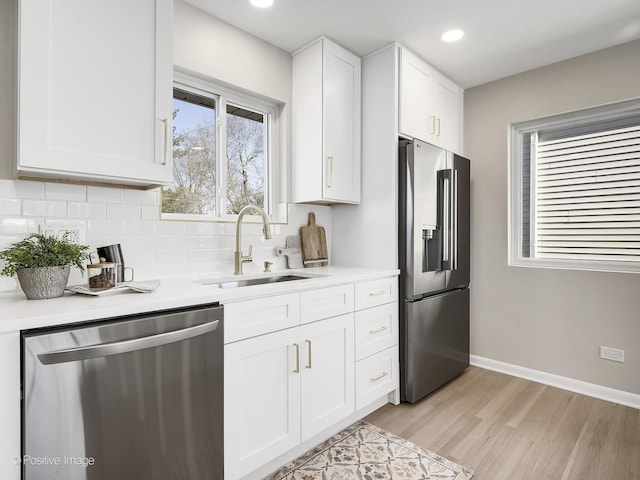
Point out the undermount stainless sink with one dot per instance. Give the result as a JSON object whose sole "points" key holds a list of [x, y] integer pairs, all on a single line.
{"points": [[253, 281]]}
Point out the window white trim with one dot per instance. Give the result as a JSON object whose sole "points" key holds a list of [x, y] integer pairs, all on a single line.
{"points": [[516, 170], [201, 85]]}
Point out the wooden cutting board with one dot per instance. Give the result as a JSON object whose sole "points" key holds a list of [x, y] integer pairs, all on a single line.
{"points": [[314, 244]]}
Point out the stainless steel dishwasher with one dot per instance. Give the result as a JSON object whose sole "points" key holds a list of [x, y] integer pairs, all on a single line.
{"points": [[138, 397]]}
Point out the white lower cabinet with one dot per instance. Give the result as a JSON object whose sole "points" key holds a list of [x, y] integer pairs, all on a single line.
{"points": [[261, 400], [298, 364], [376, 340], [285, 387], [327, 373]]}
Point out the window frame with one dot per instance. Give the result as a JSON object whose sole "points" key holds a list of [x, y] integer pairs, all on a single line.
{"points": [[516, 202], [224, 94]]}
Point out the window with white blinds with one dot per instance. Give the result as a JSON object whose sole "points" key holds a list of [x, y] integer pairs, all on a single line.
{"points": [[576, 190]]}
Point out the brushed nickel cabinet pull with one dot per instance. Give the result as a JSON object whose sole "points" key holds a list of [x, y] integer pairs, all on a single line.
{"points": [[377, 293], [329, 171], [433, 124], [297, 369], [438, 126], [382, 375], [378, 330], [308, 365], [165, 121]]}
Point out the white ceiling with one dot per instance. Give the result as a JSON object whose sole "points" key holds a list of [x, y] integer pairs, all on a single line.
{"points": [[503, 37]]}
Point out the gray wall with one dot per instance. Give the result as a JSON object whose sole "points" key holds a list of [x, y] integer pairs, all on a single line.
{"points": [[548, 320]]}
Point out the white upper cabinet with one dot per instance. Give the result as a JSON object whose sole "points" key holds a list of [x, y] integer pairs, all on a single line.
{"points": [[326, 124], [94, 90], [430, 105]]}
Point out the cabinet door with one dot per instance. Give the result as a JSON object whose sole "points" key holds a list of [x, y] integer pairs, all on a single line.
{"points": [[448, 98], [417, 98], [430, 105], [341, 95], [327, 364], [262, 400], [94, 90]]}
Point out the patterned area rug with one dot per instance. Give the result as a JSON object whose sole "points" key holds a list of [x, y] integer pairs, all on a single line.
{"points": [[366, 452]]}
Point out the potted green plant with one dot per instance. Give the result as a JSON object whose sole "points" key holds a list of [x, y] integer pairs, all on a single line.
{"points": [[42, 263]]}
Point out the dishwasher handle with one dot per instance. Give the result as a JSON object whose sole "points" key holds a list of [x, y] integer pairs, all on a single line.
{"points": [[124, 346]]}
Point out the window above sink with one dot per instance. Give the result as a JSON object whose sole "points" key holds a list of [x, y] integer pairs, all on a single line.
{"points": [[225, 153]]}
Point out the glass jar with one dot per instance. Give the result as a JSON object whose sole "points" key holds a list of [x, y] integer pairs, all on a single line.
{"points": [[102, 275]]}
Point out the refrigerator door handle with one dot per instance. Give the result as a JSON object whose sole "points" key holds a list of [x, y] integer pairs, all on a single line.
{"points": [[448, 200], [454, 222]]}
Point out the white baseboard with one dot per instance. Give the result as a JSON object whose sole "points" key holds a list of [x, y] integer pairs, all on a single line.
{"points": [[590, 389]]}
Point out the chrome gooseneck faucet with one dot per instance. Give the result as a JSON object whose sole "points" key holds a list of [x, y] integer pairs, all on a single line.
{"points": [[238, 258]]}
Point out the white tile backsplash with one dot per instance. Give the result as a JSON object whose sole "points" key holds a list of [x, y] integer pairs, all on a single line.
{"points": [[155, 248], [198, 228], [105, 194], [140, 228], [97, 211], [150, 212], [171, 228], [105, 227], [46, 208], [142, 197], [117, 211], [63, 191], [27, 189], [188, 242], [155, 242], [10, 206]]}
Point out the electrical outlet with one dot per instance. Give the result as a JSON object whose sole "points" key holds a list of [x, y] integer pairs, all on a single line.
{"points": [[75, 228], [614, 354]]}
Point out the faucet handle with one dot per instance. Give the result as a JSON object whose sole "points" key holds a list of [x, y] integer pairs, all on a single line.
{"points": [[247, 258]]}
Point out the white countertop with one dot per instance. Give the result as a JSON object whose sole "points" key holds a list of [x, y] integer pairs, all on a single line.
{"points": [[18, 313]]}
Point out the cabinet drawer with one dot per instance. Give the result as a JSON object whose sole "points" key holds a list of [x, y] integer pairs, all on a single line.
{"points": [[326, 302], [376, 292], [376, 329], [263, 315], [376, 376]]}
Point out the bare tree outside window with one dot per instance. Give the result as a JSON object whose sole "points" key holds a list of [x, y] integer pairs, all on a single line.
{"points": [[195, 180], [193, 188], [245, 159]]}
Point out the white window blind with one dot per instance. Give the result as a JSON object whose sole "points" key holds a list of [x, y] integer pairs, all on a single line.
{"points": [[587, 194], [574, 186]]}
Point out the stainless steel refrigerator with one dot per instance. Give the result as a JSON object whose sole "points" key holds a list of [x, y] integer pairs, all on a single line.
{"points": [[434, 262]]}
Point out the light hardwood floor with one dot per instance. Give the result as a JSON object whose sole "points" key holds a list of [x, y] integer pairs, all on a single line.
{"points": [[507, 428]]}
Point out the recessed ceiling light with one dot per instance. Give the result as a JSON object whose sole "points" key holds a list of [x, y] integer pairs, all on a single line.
{"points": [[452, 35], [261, 3]]}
